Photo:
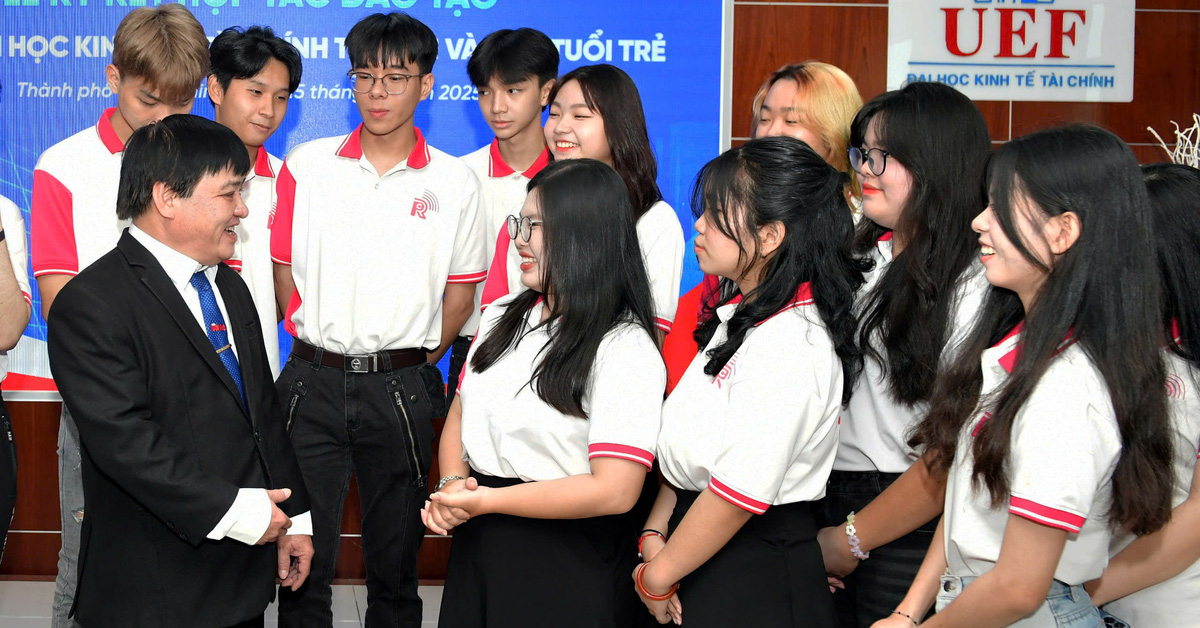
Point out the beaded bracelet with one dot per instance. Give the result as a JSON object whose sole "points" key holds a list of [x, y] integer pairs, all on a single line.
{"points": [[650, 596], [851, 533], [647, 533], [903, 614]]}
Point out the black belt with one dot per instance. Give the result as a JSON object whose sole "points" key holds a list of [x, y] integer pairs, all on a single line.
{"points": [[367, 363]]}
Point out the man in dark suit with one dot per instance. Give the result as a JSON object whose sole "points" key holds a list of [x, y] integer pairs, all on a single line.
{"points": [[188, 472]]}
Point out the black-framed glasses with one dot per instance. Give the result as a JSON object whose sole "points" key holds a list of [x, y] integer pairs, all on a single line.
{"points": [[394, 83], [875, 158], [522, 226]]}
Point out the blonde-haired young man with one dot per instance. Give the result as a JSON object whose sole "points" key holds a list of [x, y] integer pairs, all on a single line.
{"points": [[160, 55]]}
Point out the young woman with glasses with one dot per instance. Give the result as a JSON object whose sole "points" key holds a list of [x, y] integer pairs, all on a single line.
{"points": [[750, 432], [551, 435], [920, 191]]}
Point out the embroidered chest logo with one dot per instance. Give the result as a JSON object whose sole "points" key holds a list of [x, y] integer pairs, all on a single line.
{"points": [[1176, 389], [426, 202], [727, 371]]}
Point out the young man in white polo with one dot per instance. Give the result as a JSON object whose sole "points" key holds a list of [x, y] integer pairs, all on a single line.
{"points": [[253, 75], [378, 242], [514, 71]]}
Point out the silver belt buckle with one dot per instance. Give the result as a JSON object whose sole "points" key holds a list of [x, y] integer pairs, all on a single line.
{"points": [[362, 363]]}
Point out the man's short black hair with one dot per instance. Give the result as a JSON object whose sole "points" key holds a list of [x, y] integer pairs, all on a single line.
{"points": [[513, 56], [178, 150], [242, 54], [384, 38]]}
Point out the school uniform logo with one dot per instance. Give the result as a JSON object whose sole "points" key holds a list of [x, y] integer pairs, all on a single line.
{"points": [[727, 371], [1176, 389], [424, 203]]}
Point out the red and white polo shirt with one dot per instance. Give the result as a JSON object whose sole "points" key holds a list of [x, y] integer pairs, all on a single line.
{"points": [[14, 237], [502, 192], [661, 240], [1065, 446], [764, 431], [74, 215], [371, 255], [508, 431], [1164, 603], [875, 426], [252, 251]]}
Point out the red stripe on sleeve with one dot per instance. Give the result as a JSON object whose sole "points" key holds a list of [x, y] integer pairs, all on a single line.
{"points": [[293, 304], [280, 222], [235, 264], [52, 227], [28, 299], [663, 324], [1046, 515], [496, 285], [468, 277], [740, 500], [625, 452]]}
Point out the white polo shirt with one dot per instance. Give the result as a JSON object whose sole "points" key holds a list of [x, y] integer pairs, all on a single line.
{"points": [[875, 426], [1163, 603], [74, 214], [508, 431], [1065, 446], [659, 237], [764, 431], [502, 192], [371, 255], [252, 251], [14, 237]]}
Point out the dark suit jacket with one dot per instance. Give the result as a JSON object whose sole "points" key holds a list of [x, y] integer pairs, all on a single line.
{"points": [[166, 446]]}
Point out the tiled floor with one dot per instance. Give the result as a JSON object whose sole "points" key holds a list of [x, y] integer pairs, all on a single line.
{"points": [[27, 605]]}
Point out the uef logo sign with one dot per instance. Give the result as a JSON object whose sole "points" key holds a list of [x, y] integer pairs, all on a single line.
{"points": [[1030, 50]]}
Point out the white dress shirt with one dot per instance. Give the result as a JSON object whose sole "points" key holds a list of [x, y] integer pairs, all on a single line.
{"points": [[250, 515]]}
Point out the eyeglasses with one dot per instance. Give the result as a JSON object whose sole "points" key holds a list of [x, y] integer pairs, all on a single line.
{"points": [[394, 84], [875, 158], [522, 226]]}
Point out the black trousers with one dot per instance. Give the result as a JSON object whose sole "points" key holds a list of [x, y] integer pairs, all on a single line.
{"points": [[879, 583], [769, 574], [378, 426], [8, 475]]}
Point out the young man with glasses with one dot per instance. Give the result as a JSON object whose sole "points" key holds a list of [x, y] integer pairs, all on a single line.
{"points": [[378, 246]]}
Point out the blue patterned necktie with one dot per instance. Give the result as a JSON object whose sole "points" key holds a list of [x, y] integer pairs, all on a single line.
{"points": [[214, 323]]}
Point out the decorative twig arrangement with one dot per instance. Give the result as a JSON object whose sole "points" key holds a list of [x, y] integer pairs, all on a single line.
{"points": [[1187, 143]]}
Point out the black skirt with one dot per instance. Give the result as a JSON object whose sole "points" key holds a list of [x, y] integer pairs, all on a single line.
{"points": [[513, 571], [769, 574]]}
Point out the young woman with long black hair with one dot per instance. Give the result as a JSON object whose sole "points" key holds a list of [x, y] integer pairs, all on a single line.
{"points": [[553, 431], [920, 191], [1051, 424], [1154, 580], [596, 113], [749, 434]]}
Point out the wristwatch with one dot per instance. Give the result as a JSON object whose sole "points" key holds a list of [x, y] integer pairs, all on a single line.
{"points": [[446, 480]]}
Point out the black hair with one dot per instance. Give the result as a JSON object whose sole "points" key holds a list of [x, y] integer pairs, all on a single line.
{"points": [[781, 179], [242, 54], [911, 310], [513, 56], [610, 92], [397, 37], [178, 150], [1102, 294], [1174, 191], [593, 271]]}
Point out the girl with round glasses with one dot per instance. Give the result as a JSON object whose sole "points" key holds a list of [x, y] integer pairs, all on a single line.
{"points": [[556, 417], [596, 113], [920, 191]]}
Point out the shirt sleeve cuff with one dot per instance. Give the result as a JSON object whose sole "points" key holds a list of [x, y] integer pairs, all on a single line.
{"points": [[302, 524], [1046, 515], [737, 498], [247, 519], [625, 452]]}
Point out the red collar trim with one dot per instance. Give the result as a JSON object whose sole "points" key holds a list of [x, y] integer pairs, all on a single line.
{"points": [[108, 136], [887, 237], [1009, 360], [351, 148], [1176, 330], [803, 297], [497, 167], [262, 164]]}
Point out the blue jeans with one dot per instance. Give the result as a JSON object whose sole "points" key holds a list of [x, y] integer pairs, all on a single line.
{"points": [[1066, 606], [70, 503]]}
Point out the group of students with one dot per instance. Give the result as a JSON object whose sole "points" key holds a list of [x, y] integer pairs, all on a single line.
{"points": [[899, 323]]}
